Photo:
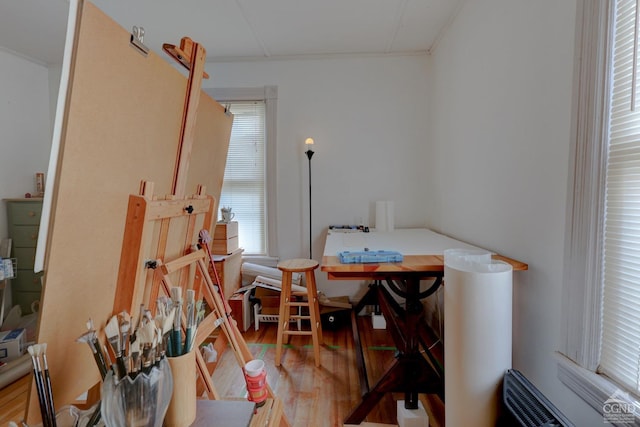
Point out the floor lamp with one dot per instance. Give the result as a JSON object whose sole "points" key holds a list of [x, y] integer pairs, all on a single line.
{"points": [[309, 143]]}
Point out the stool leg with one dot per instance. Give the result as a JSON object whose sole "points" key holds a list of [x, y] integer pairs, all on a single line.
{"points": [[283, 313], [314, 313]]}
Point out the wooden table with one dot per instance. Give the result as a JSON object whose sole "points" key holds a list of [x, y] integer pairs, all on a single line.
{"points": [[423, 258]]}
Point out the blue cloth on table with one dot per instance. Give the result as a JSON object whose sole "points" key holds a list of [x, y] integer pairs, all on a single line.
{"points": [[362, 257]]}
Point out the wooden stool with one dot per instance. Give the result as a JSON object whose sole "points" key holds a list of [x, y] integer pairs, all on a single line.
{"points": [[288, 267]]}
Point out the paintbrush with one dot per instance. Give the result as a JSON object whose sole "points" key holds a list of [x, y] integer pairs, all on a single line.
{"points": [[88, 337], [108, 359], [124, 321], [159, 354], [200, 311], [34, 351], [139, 323], [135, 356], [49, 389], [95, 417], [102, 362], [112, 330], [167, 326], [191, 301], [146, 337], [176, 338], [96, 348]]}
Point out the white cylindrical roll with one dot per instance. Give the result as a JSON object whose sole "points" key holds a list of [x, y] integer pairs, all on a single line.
{"points": [[385, 216], [477, 336], [390, 216], [250, 271], [381, 216], [15, 369], [269, 281], [277, 283]]}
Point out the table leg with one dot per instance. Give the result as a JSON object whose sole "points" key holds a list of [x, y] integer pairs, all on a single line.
{"points": [[405, 334], [410, 373], [362, 369]]}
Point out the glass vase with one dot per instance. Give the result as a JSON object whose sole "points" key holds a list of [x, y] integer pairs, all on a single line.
{"points": [[138, 401]]}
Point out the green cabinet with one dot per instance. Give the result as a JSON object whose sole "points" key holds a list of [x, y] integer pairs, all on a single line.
{"points": [[24, 220]]}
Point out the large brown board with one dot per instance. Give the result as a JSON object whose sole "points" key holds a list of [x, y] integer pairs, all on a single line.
{"points": [[121, 126]]}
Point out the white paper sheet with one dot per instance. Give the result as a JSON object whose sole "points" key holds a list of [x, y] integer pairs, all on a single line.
{"points": [[407, 241]]}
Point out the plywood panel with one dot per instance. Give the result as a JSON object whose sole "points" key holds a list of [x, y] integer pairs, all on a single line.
{"points": [[213, 130], [121, 125]]}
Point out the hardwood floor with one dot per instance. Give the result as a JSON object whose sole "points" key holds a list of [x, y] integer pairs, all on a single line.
{"points": [[324, 396], [312, 397], [13, 399]]}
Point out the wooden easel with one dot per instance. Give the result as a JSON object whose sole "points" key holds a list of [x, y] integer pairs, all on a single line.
{"points": [[219, 316], [144, 271], [143, 279]]}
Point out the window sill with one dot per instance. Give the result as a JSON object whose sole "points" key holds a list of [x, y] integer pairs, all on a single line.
{"points": [[593, 388]]}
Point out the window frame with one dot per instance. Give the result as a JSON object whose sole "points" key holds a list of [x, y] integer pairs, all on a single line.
{"points": [[268, 94], [579, 353]]}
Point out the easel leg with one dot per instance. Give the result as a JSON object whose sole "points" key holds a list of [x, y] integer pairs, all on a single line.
{"points": [[212, 393]]}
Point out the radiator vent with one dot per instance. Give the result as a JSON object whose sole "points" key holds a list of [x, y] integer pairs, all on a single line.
{"points": [[527, 405]]}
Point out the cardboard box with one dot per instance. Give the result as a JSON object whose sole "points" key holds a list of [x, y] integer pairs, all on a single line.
{"points": [[225, 247], [241, 310], [12, 344], [229, 271], [225, 238], [270, 301], [223, 231]]}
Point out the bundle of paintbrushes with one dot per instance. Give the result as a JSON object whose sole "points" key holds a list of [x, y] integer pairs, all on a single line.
{"points": [[138, 388], [136, 349], [43, 384], [139, 348], [193, 313]]}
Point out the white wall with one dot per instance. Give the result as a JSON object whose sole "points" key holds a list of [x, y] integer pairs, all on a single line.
{"points": [[367, 116], [502, 81], [25, 127]]}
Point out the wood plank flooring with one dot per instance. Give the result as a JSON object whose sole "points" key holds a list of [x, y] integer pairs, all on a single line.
{"points": [[324, 396], [13, 399], [312, 397]]}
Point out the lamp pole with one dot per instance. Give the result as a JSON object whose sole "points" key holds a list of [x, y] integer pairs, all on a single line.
{"points": [[309, 143]]}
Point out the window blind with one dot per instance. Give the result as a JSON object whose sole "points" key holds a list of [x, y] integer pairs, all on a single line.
{"points": [[243, 188], [620, 349]]}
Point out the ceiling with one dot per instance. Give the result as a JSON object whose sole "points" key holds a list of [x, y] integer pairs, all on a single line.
{"points": [[242, 29]]}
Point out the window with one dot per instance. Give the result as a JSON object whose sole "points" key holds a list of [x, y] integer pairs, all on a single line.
{"points": [[243, 188], [620, 354], [249, 178], [602, 259]]}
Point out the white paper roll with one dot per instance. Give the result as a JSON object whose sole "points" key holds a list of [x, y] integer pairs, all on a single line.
{"points": [[385, 216], [477, 336], [250, 271], [277, 283]]}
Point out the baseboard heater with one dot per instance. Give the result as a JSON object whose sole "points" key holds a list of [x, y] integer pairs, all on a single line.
{"points": [[527, 405]]}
